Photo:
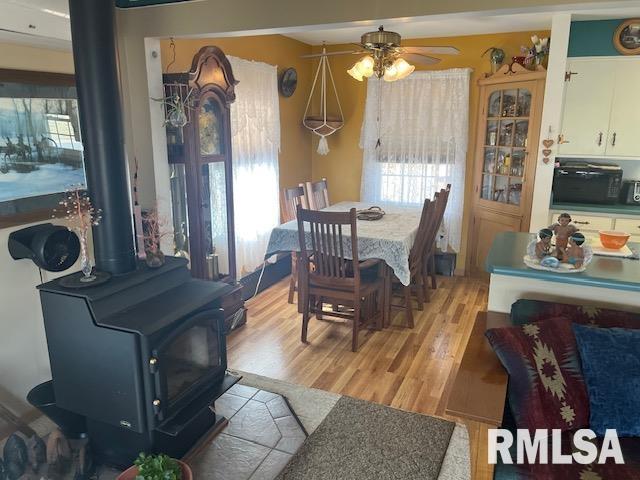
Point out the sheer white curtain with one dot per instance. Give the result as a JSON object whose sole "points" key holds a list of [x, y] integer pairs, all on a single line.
{"points": [[414, 136], [255, 143]]}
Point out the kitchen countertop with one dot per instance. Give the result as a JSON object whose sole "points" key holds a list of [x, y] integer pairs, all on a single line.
{"points": [[508, 249], [597, 208]]}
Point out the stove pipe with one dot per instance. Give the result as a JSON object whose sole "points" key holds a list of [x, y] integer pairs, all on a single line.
{"points": [[97, 81]]}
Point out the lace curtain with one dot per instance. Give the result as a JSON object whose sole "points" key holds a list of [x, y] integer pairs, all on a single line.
{"points": [[255, 144], [414, 136]]}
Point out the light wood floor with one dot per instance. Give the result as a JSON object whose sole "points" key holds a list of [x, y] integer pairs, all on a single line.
{"points": [[410, 369]]}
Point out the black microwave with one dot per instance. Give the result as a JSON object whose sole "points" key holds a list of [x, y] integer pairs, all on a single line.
{"points": [[577, 181]]}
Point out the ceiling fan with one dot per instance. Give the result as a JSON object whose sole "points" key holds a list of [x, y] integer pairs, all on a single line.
{"points": [[385, 58]]}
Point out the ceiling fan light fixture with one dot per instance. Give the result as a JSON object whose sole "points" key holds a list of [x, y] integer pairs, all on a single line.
{"points": [[362, 68], [354, 71], [391, 73], [367, 64], [403, 68]]}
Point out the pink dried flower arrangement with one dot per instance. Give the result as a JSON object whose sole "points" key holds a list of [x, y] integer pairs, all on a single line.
{"points": [[76, 208], [154, 230]]}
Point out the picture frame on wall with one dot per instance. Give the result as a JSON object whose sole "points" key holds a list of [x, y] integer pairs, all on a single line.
{"points": [[41, 152], [626, 38]]}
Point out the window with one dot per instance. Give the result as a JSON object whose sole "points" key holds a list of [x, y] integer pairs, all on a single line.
{"points": [[414, 140], [405, 182]]}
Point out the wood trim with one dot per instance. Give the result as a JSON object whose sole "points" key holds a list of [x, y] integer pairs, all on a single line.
{"points": [[7, 428], [26, 218], [480, 388], [37, 78], [514, 73]]}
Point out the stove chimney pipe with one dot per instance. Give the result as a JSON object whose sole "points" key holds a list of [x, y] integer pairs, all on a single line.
{"points": [[97, 81]]}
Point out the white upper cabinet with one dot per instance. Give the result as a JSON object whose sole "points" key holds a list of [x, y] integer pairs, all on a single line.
{"points": [[601, 110], [624, 127], [587, 103]]}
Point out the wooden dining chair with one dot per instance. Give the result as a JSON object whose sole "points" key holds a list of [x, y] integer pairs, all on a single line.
{"points": [[416, 262], [429, 263], [318, 194], [335, 279], [291, 198]]}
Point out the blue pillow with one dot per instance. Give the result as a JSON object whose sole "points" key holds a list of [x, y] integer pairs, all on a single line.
{"points": [[611, 368]]}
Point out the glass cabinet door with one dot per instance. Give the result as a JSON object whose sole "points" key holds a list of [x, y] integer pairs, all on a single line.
{"points": [[178, 182], [210, 128], [505, 145], [214, 220]]}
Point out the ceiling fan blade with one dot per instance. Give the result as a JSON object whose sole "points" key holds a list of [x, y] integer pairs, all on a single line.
{"points": [[442, 50], [420, 59], [328, 54]]}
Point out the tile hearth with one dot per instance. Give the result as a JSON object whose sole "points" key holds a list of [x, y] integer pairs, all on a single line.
{"points": [[261, 437]]}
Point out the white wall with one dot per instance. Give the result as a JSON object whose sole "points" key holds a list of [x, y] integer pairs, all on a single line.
{"points": [[551, 118], [24, 360]]}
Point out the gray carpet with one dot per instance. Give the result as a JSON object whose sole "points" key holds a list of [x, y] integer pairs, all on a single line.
{"points": [[363, 440]]}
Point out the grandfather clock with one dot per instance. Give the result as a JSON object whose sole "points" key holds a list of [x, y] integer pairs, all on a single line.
{"points": [[200, 164]]}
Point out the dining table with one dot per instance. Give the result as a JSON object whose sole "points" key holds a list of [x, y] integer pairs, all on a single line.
{"points": [[388, 239]]}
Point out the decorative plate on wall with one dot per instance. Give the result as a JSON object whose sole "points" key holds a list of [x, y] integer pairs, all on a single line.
{"points": [[288, 82], [626, 39]]}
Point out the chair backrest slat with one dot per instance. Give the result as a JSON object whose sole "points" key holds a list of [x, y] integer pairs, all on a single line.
{"points": [[425, 228], [318, 194], [440, 199], [291, 198], [327, 242]]}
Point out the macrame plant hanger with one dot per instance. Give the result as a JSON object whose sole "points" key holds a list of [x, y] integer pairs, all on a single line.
{"points": [[322, 124]]}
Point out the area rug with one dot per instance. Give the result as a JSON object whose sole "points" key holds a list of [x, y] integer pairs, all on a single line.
{"points": [[312, 406], [364, 440]]}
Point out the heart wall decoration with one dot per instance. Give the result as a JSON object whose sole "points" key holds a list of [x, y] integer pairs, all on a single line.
{"points": [[547, 143]]}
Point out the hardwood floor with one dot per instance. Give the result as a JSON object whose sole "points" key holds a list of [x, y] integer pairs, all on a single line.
{"points": [[411, 369]]}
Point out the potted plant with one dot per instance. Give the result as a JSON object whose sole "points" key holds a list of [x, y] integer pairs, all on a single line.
{"points": [[157, 467]]}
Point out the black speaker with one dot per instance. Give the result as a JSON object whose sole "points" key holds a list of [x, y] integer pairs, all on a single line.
{"points": [[51, 247]]}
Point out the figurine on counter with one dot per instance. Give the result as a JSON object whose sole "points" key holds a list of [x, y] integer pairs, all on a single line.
{"points": [[563, 229], [543, 247], [574, 253]]}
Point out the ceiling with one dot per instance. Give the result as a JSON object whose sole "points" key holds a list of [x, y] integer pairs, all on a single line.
{"points": [[45, 23], [39, 23], [456, 25]]}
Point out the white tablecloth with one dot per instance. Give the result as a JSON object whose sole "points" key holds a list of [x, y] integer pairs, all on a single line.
{"points": [[389, 239]]}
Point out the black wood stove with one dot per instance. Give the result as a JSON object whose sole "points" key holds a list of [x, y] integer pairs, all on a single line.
{"points": [[142, 358], [138, 360]]}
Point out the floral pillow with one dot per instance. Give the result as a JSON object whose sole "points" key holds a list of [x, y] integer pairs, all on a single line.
{"points": [[546, 388]]}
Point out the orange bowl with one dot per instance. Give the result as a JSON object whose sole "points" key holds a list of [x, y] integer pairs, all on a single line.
{"points": [[614, 240]]}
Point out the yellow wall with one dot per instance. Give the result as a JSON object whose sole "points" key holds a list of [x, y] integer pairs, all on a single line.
{"points": [[343, 165], [23, 57], [299, 160], [295, 149]]}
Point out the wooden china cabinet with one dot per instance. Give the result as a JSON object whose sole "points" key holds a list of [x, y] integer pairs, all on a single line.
{"points": [[200, 166], [508, 122]]}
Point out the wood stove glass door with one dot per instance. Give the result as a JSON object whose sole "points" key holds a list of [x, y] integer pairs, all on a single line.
{"points": [[191, 358]]}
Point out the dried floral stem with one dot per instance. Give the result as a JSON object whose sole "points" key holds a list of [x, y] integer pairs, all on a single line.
{"points": [[154, 230]]}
